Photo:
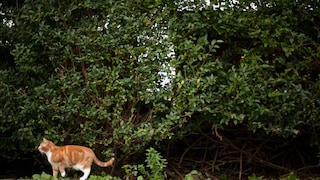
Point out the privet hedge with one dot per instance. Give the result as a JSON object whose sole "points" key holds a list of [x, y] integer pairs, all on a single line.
{"points": [[119, 75]]}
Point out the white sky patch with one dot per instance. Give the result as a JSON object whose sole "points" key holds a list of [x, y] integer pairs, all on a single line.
{"points": [[168, 72], [5, 21], [8, 23]]}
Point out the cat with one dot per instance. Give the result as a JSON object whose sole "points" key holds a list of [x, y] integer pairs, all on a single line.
{"points": [[76, 157]]}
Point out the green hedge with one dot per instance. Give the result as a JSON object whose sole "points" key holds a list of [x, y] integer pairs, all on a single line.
{"points": [[92, 72]]}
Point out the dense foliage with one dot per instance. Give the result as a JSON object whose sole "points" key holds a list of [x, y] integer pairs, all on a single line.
{"points": [[120, 76]]}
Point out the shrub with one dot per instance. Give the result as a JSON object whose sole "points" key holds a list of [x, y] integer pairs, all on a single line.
{"points": [[154, 168], [92, 73]]}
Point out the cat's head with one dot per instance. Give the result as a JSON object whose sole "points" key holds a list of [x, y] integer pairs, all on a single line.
{"points": [[45, 146]]}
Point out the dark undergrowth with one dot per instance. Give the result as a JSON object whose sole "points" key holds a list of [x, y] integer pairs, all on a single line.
{"points": [[231, 153], [239, 153]]}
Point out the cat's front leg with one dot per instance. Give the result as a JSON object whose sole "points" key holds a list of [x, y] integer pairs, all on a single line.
{"points": [[54, 171], [62, 170]]}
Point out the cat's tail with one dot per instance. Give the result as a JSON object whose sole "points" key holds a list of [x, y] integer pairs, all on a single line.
{"points": [[103, 164]]}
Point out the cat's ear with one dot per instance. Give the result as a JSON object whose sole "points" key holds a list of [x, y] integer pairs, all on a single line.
{"points": [[44, 139]]}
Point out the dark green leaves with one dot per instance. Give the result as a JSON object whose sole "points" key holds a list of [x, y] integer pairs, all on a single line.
{"points": [[93, 72]]}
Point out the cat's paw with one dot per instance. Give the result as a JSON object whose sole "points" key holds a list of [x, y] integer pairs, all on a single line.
{"points": [[63, 174]]}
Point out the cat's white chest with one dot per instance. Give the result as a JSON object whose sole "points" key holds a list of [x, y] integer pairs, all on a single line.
{"points": [[49, 156]]}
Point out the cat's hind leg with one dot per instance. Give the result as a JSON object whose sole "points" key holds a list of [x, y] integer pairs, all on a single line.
{"points": [[86, 173]]}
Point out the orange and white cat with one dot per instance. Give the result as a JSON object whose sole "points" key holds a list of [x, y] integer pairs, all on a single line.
{"points": [[76, 157]]}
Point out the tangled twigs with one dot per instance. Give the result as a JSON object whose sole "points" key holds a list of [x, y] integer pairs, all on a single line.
{"points": [[258, 159], [190, 147], [241, 153], [215, 159], [215, 132]]}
